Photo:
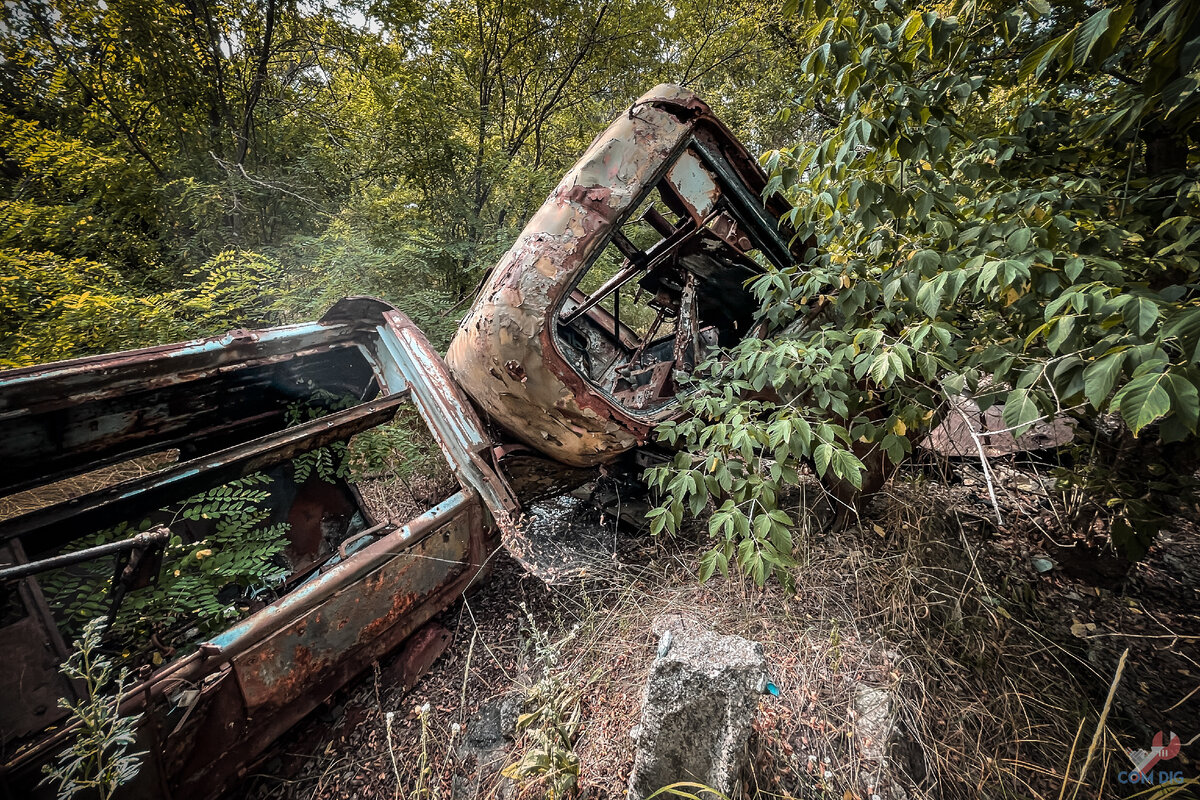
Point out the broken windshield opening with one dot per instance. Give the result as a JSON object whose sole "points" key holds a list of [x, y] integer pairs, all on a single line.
{"points": [[668, 289]]}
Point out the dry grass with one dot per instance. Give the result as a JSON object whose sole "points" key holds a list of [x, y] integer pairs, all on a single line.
{"points": [[991, 693], [999, 697], [399, 499], [986, 702]]}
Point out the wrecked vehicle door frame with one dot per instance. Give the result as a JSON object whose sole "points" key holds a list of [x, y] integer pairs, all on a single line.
{"points": [[210, 713], [745, 209]]}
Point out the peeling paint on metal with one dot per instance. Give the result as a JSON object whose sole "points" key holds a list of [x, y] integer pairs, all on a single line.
{"points": [[549, 406]]}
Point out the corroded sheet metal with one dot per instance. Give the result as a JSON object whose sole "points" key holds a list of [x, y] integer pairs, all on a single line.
{"points": [[697, 186], [966, 430], [29, 695], [505, 354], [208, 714], [280, 669], [66, 418], [287, 661]]}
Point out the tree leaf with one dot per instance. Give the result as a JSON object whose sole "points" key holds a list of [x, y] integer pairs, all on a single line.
{"points": [[879, 369], [847, 467], [1143, 400], [1185, 400], [1100, 376], [1020, 411], [1091, 31], [1141, 313], [822, 456]]}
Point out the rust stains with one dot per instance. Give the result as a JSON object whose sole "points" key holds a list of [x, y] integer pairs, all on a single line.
{"points": [[587, 402], [223, 402], [516, 371]]}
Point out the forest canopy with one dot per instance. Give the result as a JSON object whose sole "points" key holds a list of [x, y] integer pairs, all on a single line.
{"points": [[284, 154]]}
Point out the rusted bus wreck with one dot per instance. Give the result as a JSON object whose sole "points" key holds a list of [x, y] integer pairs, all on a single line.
{"points": [[632, 273]]}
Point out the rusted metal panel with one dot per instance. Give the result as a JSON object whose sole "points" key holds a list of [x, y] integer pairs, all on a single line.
{"points": [[240, 637], [281, 668], [56, 525], [505, 354], [208, 714], [286, 665], [74, 416], [535, 477], [445, 407], [30, 641], [696, 185], [966, 430]]}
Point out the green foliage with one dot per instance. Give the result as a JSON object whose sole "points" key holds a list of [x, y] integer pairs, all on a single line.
{"points": [[327, 463], [551, 720], [192, 587], [52, 308], [203, 584], [50, 305], [551, 725], [98, 761], [411, 272], [1002, 201], [75, 199], [232, 289], [403, 448]]}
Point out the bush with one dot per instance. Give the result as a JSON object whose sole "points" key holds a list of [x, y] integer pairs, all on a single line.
{"points": [[1002, 202], [55, 308]]}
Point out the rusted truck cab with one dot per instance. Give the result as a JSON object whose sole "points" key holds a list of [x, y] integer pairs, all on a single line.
{"points": [[631, 274]]}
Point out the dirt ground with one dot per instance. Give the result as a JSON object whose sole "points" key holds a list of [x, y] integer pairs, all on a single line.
{"points": [[996, 646]]}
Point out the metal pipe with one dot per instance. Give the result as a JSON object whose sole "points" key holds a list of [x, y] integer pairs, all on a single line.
{"points": [[615, 282], [156, 535], [637, 354], [617, 314]]}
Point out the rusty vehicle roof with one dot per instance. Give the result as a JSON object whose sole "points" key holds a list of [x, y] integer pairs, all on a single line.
{"points": [[504, 354]]}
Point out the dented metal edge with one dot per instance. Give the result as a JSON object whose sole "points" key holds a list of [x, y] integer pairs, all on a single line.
{"points": [[308, 596], [447, 412]]}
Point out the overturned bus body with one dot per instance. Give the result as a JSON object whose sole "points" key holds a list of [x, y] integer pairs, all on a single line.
{"points": [[125, 476], [632, 272], [348, 582]]}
